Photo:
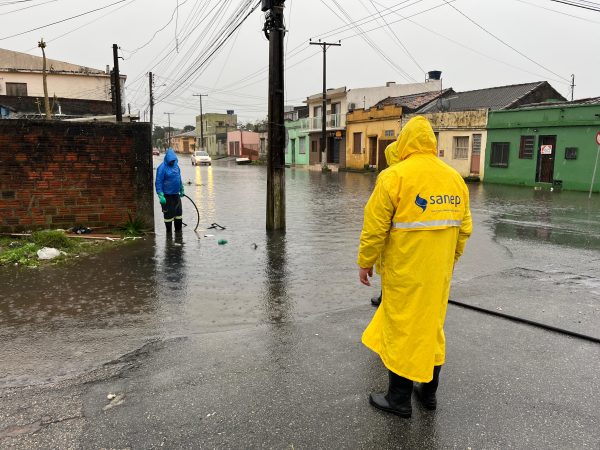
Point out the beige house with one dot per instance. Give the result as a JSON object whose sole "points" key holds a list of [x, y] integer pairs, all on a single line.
{"points": [[21, 75], [216, 126], [459, 120]]}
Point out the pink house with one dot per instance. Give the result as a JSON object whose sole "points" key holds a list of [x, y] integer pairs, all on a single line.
{"points": [[243, 144]]}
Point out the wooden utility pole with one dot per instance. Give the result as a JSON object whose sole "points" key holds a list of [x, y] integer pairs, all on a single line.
{"points": [[274, 30], [42, 45], [169, 129], [325, 46], [201, 120], [151, 86], [119, 110]]}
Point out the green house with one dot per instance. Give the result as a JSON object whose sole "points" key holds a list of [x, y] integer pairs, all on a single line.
{"points": [[296, 150], [551, 144]]}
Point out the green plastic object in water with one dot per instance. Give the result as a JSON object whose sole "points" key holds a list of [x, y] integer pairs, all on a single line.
{"points": [[222, 241]]}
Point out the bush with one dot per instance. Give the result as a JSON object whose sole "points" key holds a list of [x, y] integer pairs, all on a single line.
{"points": [[54, 239], [133, 226]]}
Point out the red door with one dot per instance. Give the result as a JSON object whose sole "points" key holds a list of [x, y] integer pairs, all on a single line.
{"points": [[476, 154]]}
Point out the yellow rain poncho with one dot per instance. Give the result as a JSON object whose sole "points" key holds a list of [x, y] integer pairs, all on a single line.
{"points": [[417, 220]]}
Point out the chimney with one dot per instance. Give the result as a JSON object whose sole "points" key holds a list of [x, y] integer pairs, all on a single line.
{"points": [[390, 83]]}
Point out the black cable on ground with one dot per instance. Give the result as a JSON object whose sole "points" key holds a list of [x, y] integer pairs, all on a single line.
{"points": [[197, 212], [525, 321]]}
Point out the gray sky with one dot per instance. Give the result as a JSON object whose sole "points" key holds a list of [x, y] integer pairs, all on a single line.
{"points": [[562, 40]]}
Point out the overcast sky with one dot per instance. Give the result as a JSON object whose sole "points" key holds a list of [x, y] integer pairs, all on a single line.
{"points": [[397, 41]]}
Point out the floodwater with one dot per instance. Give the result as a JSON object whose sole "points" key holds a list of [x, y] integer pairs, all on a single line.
{"points": [[533, 253]]}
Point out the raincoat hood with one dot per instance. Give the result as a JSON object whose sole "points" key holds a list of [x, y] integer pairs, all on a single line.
{"points": [[416, 137], [170, 156], [391, 154]]}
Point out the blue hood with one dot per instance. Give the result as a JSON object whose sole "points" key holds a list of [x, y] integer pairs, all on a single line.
{"points": [[168, 178], [170, 156]]}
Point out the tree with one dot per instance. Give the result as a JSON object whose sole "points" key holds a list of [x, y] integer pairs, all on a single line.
{"points": [[188, 128]]}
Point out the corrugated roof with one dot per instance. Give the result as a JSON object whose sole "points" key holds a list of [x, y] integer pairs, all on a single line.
{"points": [[186, 134], [551, 104], [491, 98], [414, 101]]}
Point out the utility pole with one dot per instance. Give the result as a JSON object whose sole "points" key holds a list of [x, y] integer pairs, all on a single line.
{"points": [[117, 82], [169, 129], [325, 46], [151, 86], [572, 86], [42, 45], [201, 120], [274, 30]]}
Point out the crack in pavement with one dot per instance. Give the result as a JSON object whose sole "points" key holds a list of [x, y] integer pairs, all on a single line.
{"points": [[13, 431]]}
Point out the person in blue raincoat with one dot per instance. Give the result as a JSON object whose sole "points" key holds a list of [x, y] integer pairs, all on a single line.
{"points": [[169, 189]]}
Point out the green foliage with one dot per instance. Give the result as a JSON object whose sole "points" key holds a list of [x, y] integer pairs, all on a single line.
{"points": [[188, 128], [51, 238], [133, 226], [24, 255]]}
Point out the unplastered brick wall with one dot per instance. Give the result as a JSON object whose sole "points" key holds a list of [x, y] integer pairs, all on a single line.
{"points": [[61, 174]]}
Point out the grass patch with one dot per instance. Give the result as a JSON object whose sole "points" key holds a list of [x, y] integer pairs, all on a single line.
{"points": [[54, 239], [22, 251]]}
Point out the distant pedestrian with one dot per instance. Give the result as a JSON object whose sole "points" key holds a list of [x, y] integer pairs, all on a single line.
{"points": [[169, 188], [418, 220]]}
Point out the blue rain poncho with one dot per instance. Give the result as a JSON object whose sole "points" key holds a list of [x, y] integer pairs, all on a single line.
{"points": [[168, 177]]}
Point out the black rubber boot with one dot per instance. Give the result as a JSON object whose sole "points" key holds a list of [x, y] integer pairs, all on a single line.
{"points": [[397, 399], [376, 301], [169, 226], [426, 391], [178, 225]]}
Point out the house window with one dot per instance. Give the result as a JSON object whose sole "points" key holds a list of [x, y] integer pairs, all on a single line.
{"points": [[357, 143], [526, 148], [302, 145], [16, 89], [389, 133], [461, 147], [499, 156], [317, 111], [313, 146], [571, 153], [476, 145]]}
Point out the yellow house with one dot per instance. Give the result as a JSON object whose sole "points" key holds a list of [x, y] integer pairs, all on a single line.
{"points": [[184, 142], [368, 133]]}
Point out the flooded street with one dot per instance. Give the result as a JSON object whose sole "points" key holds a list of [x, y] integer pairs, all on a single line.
{"points": [[233, 316]]}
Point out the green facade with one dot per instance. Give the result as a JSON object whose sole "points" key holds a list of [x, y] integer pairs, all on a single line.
{"points": [[297, 148], [569, 129]]}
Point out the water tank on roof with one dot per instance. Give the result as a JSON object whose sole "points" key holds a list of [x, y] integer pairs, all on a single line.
{"points": [[230, 112], [434, 75]]}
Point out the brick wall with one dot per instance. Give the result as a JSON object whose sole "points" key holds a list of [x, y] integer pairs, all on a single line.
{"points": [[60, 174]]}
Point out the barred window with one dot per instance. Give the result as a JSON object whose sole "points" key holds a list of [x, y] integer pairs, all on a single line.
{"points": [[527, 146], [499, 156], [476, 145], [461, 147], [302, 145], [389, 133]]}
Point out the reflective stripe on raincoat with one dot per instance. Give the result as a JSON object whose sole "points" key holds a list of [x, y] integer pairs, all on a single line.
{"points": [[418, 220]]}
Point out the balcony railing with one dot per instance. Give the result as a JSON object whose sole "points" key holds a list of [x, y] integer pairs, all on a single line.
{"points": [[332, 121]]}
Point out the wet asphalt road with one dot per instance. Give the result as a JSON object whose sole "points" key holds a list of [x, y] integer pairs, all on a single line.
{"points": [[257, 343]]}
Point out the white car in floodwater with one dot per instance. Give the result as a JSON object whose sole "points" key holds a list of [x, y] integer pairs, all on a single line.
{"points": [[200, 157]]}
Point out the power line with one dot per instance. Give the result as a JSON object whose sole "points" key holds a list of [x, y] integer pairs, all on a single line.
{"points": [[61, 21], [557, 11], [584, 5], [501, 41], [27, 7]]}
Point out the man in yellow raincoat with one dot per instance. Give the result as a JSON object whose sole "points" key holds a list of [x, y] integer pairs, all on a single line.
{"points": [[418, 221]]}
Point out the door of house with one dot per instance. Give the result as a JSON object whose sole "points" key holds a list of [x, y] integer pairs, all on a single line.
{"points": [[545, 162], [333, 150], [475, 154], [373, 151], [293, 150], [381, 161]]}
